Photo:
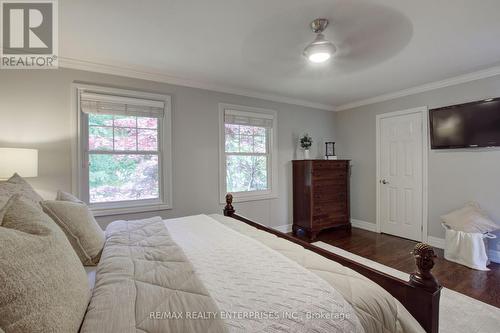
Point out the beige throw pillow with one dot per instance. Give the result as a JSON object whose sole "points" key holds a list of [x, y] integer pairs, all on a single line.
{"points": [[470, 218], [43, 285], [79, 225], [63, 196], [17, 185]]}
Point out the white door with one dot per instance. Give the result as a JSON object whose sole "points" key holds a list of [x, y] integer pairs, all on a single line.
{"points": [[401, 178]]}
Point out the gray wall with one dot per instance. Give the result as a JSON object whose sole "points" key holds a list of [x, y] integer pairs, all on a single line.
{"points": [[455, 176], [35, 112]]}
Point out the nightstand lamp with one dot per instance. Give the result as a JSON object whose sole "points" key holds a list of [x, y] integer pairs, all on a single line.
{"points": [[22, 161]]}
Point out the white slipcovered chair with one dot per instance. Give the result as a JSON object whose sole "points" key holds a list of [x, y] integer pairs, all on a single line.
{"points": [[468, 230]]}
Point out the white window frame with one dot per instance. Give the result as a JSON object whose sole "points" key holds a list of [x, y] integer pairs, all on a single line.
{"points": [[272, 167], [80, 151]]}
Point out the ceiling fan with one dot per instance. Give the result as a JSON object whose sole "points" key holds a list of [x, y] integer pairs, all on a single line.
{"points": [[321, 49]]}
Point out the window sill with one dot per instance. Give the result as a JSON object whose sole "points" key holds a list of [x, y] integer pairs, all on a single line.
{"points": [[245, 197], [129, 210]]}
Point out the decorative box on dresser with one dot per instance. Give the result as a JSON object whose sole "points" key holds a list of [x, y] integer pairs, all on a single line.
{"points": [[320, 195]]}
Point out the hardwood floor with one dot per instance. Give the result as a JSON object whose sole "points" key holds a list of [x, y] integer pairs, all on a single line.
{"points": [[394, 252]]}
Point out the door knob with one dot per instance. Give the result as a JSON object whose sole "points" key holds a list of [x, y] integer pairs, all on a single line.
{"points": [[385, 182]]}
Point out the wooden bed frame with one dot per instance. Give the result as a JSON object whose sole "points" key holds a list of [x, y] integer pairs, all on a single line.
{"points": [[420, 295]]}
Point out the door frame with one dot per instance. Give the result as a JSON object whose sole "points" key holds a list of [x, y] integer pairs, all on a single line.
{"points": [[424, 111]]}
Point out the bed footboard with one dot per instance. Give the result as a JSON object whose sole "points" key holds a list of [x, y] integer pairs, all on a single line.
{"points": [[420, 295]]}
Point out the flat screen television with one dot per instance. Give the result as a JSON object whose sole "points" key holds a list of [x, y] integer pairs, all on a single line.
{"points": [[468, 125]]}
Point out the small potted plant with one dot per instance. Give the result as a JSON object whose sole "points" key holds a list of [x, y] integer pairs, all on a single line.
{"points": [[305, 143]]}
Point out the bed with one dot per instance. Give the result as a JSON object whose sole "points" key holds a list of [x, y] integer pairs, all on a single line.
{"points": [[214, 273], [420, 295]]}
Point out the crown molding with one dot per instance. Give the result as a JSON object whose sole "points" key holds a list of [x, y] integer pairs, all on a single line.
{"points": [[148, 74], [482, 74], [151, 75]]}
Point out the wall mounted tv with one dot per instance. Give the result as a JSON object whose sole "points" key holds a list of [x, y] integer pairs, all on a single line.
{"points": [[468, 125]]}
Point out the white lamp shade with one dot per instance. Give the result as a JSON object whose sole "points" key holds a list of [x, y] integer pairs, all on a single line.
{"points": [[22, 161]]}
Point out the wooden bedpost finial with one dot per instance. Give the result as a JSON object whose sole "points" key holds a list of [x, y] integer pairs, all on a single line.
{"points": [[229, 209], [424, 259]]}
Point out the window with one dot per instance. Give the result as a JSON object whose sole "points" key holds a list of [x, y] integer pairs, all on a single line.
{"points": [[124, 151], [248, 147]]}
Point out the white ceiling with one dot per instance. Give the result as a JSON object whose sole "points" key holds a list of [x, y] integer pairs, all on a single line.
{"points": [[256, 45]]}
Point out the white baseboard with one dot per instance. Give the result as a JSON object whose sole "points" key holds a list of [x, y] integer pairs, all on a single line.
{"points": [[286, 228], [493, 255], [432, 241], [355, 223], [436, 242], [364, 225]]}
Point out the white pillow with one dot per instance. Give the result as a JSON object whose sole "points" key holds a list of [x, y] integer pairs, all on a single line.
{"points": [[470, 218]]}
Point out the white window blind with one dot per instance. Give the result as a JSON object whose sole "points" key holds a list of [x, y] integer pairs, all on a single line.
{"points": [[94, 103], [248, 118]]}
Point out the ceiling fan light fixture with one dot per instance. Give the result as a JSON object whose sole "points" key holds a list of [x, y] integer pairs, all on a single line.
{"points": [[321, 49], [319, 57]]}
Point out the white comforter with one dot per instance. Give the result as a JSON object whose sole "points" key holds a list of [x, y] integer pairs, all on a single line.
{"points": [[251, 280], [256, 288], [377, 310]]}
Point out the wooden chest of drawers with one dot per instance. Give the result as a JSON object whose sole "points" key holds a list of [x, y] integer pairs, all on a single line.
{"points": [[320, 195]]}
